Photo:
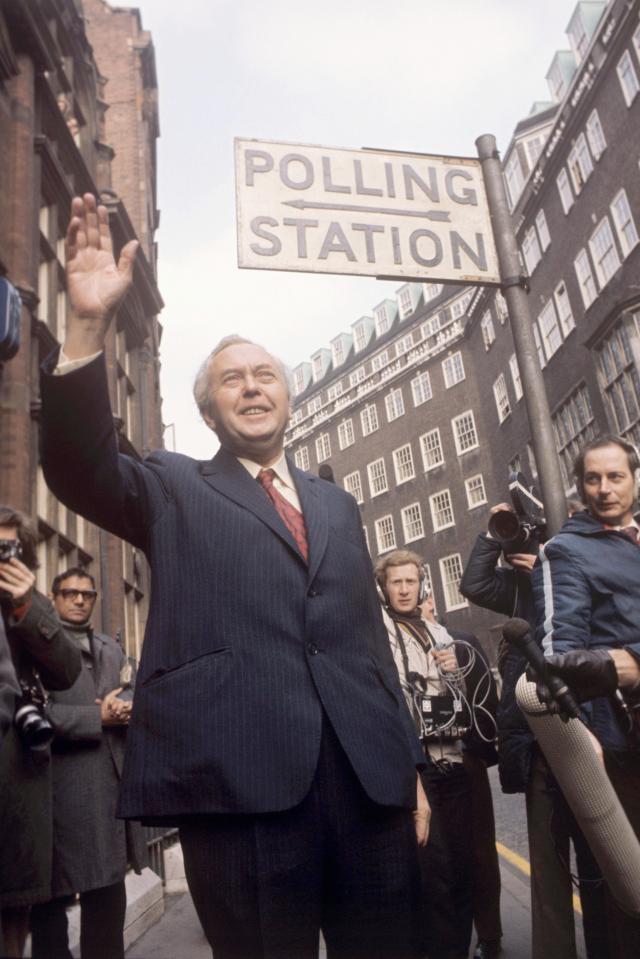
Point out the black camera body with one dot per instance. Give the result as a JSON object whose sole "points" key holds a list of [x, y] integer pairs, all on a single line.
{"points": [[34, 729], [524, 529], [10, 549]]}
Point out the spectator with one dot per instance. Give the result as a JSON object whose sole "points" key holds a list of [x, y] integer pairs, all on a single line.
{"points": [[587, 591], [550, 824], [9, 688], [43, 657], [429, 668], [91, 848]]}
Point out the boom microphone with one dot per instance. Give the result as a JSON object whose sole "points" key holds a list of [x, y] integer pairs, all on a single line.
{"points": [[517, 632]]}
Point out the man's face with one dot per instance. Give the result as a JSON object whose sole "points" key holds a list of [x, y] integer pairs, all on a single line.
{"points": [[609, 485], [249, 402], [403, 586], [75, 600]]}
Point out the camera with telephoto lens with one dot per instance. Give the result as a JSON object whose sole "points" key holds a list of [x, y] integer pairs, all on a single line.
{"points": [[34, 729], [522, 530], [10, 549]]}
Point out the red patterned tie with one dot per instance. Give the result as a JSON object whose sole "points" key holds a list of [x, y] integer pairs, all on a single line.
{"points": [[290, 516], [631, 532]]}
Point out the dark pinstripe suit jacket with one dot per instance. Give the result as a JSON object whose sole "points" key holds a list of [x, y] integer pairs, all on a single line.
{"points": [[245, 644]]}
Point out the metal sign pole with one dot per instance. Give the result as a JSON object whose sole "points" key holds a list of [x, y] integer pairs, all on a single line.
{"points": [[535, 396]]}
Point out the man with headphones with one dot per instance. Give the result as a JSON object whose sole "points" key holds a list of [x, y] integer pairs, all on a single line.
{"points": [[587, 596], [439, 681]]}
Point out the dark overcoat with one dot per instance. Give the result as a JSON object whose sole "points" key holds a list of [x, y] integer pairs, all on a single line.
{"points": [[91, 848], [39, 642], [247, 646]]}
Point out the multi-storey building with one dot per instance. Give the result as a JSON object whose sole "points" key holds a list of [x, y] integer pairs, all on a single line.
{"points": [[423, 432], [54, 96]]}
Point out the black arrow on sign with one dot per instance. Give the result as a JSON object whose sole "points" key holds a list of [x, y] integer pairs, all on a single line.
{"points": [[441, 215]]}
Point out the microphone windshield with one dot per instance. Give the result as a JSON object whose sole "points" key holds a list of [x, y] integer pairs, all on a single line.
{"points": [[515, 630]]}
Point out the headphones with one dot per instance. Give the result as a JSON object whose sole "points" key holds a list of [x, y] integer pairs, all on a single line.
{"points": [[381, 583]]}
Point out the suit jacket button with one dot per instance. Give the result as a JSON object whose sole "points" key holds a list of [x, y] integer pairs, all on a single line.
{"points": [[312, 649]]}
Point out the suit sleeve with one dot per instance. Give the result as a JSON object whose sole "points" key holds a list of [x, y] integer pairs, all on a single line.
{"points": [[53, 653], [80, 457], [562, 600]]}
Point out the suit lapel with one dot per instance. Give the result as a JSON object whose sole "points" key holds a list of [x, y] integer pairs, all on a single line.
{"points": [[226, 475], [314, 509]]}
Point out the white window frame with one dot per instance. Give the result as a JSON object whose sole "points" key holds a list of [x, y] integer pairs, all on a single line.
{"points": [[334, 391], [455, 422], [421, 388], [514, 177], [542, 360], [543, 231], [412, 522], [501, 307], [501, 396], [359, 337], [564, 189], [580, 163], [353, 484], [603, 262], [628, 78], [438, 509], [531, 251], [379, 360], [595, 135], [323, 447], [549, 329], [426, 449], [301, 458], [394, 405], [447, 582], [369, 419], [586, 280], [377, 476], [385, 545], [346, 434], [404, 345], [563, 309], [488, 330], [471, 491], [357, 376], [515, 376], [624, 222], [381, 319], [403, 466], [453, 366]]}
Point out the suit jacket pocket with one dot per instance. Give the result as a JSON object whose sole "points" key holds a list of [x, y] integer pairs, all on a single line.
{"points": [[165, 672]]}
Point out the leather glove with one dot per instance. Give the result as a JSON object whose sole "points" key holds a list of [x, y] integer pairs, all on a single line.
{"points": [[589, 673]]}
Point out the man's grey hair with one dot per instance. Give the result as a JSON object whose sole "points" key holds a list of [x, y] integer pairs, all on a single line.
{"points": [[201, 385]]}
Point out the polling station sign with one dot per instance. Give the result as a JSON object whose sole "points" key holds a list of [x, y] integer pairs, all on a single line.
{"points": [[317, 209]]}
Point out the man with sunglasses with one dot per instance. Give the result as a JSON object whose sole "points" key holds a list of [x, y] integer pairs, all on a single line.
{"points": [[91, 848]]}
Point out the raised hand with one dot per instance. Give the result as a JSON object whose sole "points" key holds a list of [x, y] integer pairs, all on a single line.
{"points": [[96, 284]]}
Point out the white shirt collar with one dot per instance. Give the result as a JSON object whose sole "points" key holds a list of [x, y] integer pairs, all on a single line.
{"points": [[280, 468]]}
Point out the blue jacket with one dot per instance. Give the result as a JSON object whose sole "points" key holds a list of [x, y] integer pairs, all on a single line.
{"points": [[505, 591], [587, 595]]}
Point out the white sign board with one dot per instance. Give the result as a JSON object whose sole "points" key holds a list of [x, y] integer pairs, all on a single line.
{"points": [[317, 209]]}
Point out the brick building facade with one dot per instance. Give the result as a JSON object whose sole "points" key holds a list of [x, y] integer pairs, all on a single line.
{"points": [[54, 143], [418, 408]]}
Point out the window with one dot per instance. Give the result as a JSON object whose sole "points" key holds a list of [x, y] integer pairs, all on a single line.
{"points": [[301, 457], [369, 419], [585, 278], [431, 290], [381, 319], [543, 230], [394, 403], [595, 136], [315, 404], [299, 380], [619, 376], [502, 398], [488, 332], [432, 325], [297, 417], [357, 376], [563, 306], [441, 510], [345, 434], [549, 329], [421, 389], [379, 360], [564, 189], [625, 227], [453, 370], [359, 337], [385, 533], [318, 366], [323, 447], [531, 250], [412, 525], [451, 574], [404, 345], [628, 78], [431, 449], [603, 251], [514, 176], [334, 391], [501, 307], [353, 485], [534, 147], [337, 350], [515, 376], [406, 303], [574, 426], [403, 464], [476, 495], [377, 477], [464, 432], [578, 36], [580, 163]]}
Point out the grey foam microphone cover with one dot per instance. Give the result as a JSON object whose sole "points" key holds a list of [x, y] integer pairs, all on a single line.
{"points": [[588, 791]]}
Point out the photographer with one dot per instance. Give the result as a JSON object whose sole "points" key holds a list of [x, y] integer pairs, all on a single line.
{"points": [[550, 824], [91, 848], [448, 689], [44, 658]]}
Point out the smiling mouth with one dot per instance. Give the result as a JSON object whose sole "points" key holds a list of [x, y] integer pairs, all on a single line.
{"points": [[254, 411]]}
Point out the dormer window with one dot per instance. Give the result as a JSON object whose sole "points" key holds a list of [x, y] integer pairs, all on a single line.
{"points": [[382, 319]]}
